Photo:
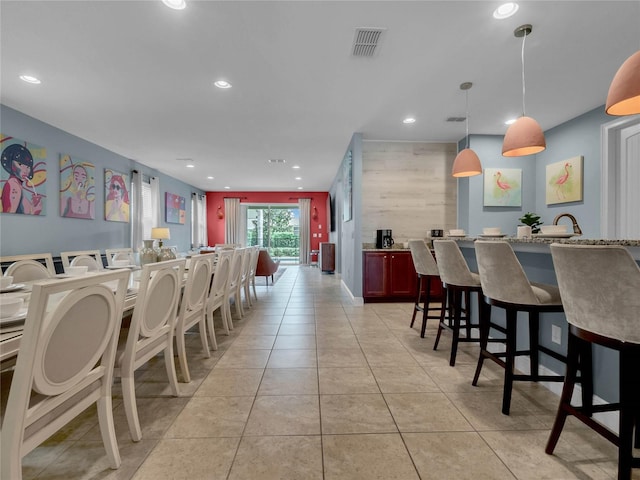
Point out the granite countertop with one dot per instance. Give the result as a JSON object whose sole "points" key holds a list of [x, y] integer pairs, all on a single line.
{"points": [[550, 240]]}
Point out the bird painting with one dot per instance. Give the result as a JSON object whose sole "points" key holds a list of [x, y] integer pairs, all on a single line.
{"points": [[502, 187], [564, 181]]}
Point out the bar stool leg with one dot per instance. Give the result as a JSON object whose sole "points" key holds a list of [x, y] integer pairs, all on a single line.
{"points": [[417, 304], [447, 297], [457, 313], [425, 309], [509, 364], [534, 329], [485, 325]]}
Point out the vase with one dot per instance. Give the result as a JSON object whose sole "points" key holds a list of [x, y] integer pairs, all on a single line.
{"points": [[148, 254], [166, 253]]}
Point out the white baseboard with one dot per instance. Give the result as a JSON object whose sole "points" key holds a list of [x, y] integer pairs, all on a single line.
{"points": [[355, 300]]}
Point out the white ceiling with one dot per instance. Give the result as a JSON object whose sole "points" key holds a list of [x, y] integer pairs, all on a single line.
{"points": [[136, 77]]}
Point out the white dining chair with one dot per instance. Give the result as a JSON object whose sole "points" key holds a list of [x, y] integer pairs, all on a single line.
{"points": [[233, 286], [89, 258], [120, 254], [26, 268], [217, 293], [65, 364], [252, 271], [192, 309], [243, 284], [150, 332]]}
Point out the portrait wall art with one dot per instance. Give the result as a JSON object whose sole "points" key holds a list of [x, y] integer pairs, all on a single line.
{"points": [[502, 187], [175, 210], [77, 188], [23, 177], [564, 181], [117, 204]]}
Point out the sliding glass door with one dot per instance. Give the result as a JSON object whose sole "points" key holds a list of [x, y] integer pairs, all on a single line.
{"points": [[276, 228]]}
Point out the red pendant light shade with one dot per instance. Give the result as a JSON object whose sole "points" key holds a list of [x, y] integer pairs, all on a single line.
{"points": [[466, 164], [524, 137], [624, 92]]}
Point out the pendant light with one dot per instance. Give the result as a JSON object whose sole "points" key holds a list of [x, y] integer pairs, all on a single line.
{"points": [[467, 163], [525, 136], [624, 92]]}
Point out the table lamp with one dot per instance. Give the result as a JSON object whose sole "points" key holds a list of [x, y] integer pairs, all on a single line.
{"points": [[160, 234]]}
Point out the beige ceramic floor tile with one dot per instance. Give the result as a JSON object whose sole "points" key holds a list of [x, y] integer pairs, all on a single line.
{"points": [[253, 342], [370, 457], [405, 379], [425, 412], [341, 357], [212, 417], [189, 459], [295, 342], [284, 415], [459, 455], [347, 380], [289, 381], [297, 329], [366, 413], [242, 358], [271, 458], [260, 328], [231, 382], [290, 318], [341, 340], [292, 358]]}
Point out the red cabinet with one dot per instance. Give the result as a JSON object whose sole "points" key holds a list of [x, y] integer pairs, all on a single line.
{"points": [[390, 276]]}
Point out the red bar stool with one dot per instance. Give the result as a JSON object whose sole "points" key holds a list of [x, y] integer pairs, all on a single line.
{"points": [[459, 282], [426, 268], [600, 286], [505, 285]]}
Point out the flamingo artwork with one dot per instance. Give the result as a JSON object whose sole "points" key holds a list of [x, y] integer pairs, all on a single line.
{"points": [[564, 181], [502, 187], [561, 182]]}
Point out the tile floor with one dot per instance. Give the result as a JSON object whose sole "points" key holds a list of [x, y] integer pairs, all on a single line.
{"points": [[311, 386]]}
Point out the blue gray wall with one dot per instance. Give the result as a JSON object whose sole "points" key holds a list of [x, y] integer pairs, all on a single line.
{"points": [[21, 234]]}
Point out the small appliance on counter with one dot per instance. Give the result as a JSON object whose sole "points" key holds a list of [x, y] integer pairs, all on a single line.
{"points": [[384, 239], [437, 233]]}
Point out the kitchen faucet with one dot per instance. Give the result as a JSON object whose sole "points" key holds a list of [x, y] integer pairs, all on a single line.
{"points": [[576, 227]]}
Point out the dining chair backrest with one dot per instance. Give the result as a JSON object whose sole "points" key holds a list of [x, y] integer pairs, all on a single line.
{"points": [[599, 286], [192, 308], [226, 246], [246, 264], [25, 268], [423, 260], [120, 254], [65, 364], [217, 294], [151, 332], [501, 274], [89, 258], [454, 269]]}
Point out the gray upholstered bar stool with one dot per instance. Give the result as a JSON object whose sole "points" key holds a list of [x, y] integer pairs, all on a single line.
{"points": [[426, 268], [459, 282], [505, 285], [600, 289]]}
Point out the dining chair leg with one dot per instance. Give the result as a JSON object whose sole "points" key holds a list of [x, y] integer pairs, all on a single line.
{"points": [[212, 330], [202, 327], [107, 430], [170, 367], [130, 408], [182, 356]]}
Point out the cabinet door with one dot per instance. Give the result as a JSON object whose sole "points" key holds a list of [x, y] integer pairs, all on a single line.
{"points": [[375, 274], [403, 277]]}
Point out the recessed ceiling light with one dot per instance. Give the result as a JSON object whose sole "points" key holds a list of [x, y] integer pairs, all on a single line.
{"points": [[190, 165], [296, 166], [300, 188], [510, 121], [298, 178], [30, 79], [409, 120], [222, 84], [209, 177], [227, 188], [505, 10], [175, 4]]}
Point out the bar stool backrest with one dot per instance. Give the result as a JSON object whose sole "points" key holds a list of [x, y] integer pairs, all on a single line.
{"points": [[423, 261], [501, 275], [453, 266], [600, 286]]}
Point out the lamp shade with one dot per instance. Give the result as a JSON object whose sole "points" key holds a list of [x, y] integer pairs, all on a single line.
{"points": [[160, 233], [466, 164], [624, 92], [524, 137]]}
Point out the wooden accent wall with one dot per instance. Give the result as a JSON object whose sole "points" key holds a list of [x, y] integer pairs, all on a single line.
{"points": [[408, 188]]}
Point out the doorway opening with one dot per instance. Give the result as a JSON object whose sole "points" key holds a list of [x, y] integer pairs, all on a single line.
{"points": [[276, 228]]}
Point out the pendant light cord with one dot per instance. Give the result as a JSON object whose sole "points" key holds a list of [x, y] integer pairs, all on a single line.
{"points": [[467, 118], [524, 37]]}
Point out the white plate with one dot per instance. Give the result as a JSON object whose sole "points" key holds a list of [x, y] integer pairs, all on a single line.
{"points": [[18, 317], [116, 267], [13, 287], [495, 235], [553, 235], [460, 236]]}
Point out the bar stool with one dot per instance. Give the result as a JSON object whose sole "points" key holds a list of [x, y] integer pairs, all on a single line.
{"points": [[426, 268], [599, 285], [459, 282], [505, 285]]}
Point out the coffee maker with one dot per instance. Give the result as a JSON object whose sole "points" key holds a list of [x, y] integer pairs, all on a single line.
{"points": [[384, 239]]}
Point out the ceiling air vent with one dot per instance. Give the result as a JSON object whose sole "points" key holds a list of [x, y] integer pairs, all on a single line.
{"points": [[456, 119], [277, 160], [365, 42]]}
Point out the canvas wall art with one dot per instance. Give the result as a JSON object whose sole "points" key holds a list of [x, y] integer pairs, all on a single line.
{"points": [[175, 208], [77, 188], [564, 181], [23, 177], [502, 187], [117, 204]]}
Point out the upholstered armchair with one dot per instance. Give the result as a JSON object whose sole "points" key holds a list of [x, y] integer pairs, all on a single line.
{"points": [[266, 266]]}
